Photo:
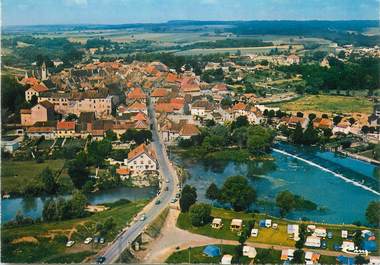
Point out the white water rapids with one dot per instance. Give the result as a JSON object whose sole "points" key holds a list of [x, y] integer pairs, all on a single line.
{"points": [[328, 170]]}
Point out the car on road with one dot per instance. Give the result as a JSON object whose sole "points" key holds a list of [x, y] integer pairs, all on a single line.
{"points": [[167, 188], [167, 181], [100, 259], [70, 243], [88, 240], [143, 217], [157, 202], [173, 200], [101, 241], [178, 195]]}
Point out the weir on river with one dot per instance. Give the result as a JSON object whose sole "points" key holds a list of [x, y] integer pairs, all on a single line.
{"points": [[328, 170]]}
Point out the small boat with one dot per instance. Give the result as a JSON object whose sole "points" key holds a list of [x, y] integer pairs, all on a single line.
{"points": [[6, 196]]}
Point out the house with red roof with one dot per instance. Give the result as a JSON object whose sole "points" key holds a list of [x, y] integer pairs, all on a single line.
{"points": [[190, 85], [137, 107], [136, 94], [141, 160], [158, 93], [66, 129], [35, 90]]}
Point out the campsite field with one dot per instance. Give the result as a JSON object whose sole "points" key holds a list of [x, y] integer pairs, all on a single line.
{"points": [[328, 104], [45, 242], [277, 236]]}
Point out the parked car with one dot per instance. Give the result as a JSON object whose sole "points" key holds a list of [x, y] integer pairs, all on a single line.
{"points": [[96, 240], [101, 241], [143, 217], [157, 202], [70, 243], [100, 259], [178, 195], [88, 240], [173, 200]]}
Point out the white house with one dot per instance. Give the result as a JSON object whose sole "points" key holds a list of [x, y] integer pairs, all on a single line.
{"points": [[141, 160]]}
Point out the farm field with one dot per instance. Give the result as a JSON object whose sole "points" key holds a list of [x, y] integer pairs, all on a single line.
{"points": [[243, 50], [45, 242], [328, 104]]}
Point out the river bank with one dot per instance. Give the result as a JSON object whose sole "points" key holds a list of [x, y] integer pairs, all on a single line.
{"points": [[33, 206]]}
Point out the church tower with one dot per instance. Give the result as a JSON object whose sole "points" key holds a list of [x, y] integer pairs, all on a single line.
{"points": [[44, 72]]}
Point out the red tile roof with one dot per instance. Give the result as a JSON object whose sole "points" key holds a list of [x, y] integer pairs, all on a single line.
{"points": [[66, 125], [136, 93], [190, 84], [39, 88], [189, 130], [239, 106], [164, 107], [137, 106], [139, 150], [159, 92], [122, 171]]}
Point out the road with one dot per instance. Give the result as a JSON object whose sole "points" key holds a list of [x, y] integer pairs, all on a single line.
{"points": [[151, 211]]}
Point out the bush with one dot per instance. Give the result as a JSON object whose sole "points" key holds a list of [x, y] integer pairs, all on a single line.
{"points": [[200, 214]]}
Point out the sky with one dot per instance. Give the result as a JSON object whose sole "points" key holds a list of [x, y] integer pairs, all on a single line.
{"points": [[37, 12]]}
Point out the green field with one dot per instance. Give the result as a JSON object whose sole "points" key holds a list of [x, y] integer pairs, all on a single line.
{"points": [[328, 104], [16, 175], [277, 236], [46, 242]]}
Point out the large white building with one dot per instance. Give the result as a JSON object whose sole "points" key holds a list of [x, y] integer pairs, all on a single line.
{"points": [[141, 160]]}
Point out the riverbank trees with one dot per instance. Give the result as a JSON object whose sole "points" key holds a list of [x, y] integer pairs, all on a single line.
{"points": [[287, 202], [372, 213]]}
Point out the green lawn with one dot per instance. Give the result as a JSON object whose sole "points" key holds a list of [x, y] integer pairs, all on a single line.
{"points": [[197, 256], [277, 236], [328, 104], [16, 175], [50, 238]]}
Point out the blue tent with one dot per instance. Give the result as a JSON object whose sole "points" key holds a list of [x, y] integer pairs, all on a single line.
{"points": [[369, 245], [211, 251], [262, 223], [345, 260]]}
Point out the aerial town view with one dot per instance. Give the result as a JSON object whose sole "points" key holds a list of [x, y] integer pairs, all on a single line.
{"points": [[202, 131]]}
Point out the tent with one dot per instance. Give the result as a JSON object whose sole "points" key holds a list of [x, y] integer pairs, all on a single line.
{"points": [[211, 251], [369, 245], [345, 260], [262, 223], [249, 252], [226, 259]]}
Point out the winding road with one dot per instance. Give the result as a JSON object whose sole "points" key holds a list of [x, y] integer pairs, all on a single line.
{"points": [[151, 211]]}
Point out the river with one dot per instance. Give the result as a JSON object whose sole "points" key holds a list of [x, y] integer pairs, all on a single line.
{"points": [[341, 186], [33, 206]]}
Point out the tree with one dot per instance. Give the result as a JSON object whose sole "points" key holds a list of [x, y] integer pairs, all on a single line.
{"points": [[376, 152], [299, 114], [48, 181], [212, 192], [298, 257], [337, 119], [325, 116], [372, 213], [351, 120], [297, 135], [286, 202], [77, 170], [312, 116], [78, 204], [188, 197], [365, 129], [259, 139], [302, 237], [237, 191], [71, 117], [200, 214], [310, 135], [241, 121], [111, 135]]}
